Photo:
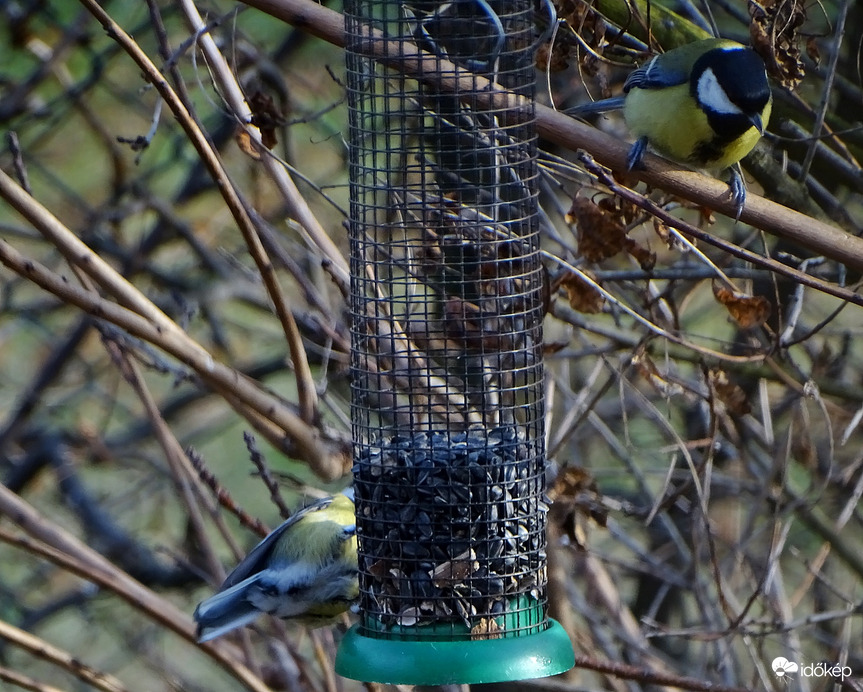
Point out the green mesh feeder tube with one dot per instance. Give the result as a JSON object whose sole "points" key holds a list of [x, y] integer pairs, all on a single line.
{"points": [[447, 301]]}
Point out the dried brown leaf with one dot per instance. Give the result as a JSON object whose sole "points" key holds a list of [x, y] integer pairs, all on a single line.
{"points": [[729, 393], [581, 295], [601, 233], [661, 229], [748, 311], [646, 259], [247, 146], [267, 117], [486, 628], [561, 53], [774, 30], [623, 209], [812, 50], [648, 370], [549, 348], [576, 500]]}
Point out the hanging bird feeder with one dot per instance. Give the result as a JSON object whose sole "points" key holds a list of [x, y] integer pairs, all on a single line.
{"points": [[447, 301]]}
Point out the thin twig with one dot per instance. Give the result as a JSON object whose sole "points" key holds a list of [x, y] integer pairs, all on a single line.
{"points": [[25, 682], [64, 549], [324, 457], [232, 93], [26, 641], [759, 260], [818, 128], [183, 476], [264, 472], [223, 496], [82, 257], [226, 187], [234, 96], [18, 160], [646, 676]]}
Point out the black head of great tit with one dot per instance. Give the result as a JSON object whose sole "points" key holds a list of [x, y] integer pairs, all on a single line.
{"points": [[705, 104]]}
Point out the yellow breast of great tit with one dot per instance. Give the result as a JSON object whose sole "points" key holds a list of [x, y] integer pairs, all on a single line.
{"points": [[670, 119]]}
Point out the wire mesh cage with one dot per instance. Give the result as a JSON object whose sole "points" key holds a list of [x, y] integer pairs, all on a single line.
{"points": [[447, 298]]}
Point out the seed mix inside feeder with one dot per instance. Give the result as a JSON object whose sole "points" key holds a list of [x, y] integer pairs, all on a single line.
{"points": [[453, 527]]}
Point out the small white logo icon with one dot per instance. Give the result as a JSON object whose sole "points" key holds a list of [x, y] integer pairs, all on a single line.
{"points": [[782, 667]]}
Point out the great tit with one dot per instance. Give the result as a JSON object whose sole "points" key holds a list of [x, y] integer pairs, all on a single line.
{"points": [[306, 569], [705, 104]]}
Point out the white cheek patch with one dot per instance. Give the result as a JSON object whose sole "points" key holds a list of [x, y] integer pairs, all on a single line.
{"points": [[713, 97]]}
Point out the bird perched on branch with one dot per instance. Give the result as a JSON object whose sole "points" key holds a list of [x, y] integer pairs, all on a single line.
{"points": [[306, 570], [706, 103]]}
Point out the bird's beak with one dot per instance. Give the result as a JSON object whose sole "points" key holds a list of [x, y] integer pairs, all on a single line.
{"points": [[757, 123]]}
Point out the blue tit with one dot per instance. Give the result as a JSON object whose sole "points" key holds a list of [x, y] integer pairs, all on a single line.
{"points": [[705, 104], [306, 569]]}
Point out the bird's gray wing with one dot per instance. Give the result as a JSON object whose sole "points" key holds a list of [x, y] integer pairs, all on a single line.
{"points": [[656, 75], [256, 560]]}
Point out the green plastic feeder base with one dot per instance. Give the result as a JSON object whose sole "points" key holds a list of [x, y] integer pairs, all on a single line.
{"points": [[399, 662]]}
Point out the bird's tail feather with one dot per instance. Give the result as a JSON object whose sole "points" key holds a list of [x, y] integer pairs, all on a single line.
{"points": [[603, 106], [225, 611]]}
